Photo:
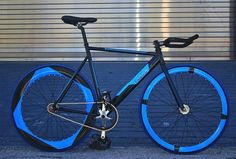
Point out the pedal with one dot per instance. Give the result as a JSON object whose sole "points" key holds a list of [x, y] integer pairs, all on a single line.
{"points": [[97, 143]]}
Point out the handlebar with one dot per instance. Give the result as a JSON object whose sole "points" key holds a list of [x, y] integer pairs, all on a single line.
{"points": [[174, 42]]}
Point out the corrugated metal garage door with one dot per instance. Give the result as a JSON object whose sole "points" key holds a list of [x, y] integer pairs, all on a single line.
{"points": [[32, 29]]}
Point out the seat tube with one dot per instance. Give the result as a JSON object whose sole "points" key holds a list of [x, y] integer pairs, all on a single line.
{"points": [[170, 82], [91, 66]]}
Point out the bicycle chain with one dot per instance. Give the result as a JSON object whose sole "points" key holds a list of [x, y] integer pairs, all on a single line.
{"points": [[85, 125]]}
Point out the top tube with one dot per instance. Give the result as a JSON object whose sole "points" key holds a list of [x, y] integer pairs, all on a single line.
{"points": [[125, 51]]}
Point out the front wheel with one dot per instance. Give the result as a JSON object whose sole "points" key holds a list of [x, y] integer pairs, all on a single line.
{"points": [[205, 114], [31, 101]]}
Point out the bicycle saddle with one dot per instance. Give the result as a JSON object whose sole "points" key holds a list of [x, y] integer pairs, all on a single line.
{"points": [[75, 20]]}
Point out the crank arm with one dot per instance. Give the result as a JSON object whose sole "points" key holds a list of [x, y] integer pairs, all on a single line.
{"points": [[103, 134]]}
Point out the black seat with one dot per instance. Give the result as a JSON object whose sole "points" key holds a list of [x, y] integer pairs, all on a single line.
{"points": [[75, 20]]}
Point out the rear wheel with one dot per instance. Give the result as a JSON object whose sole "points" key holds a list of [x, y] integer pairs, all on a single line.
{"points": [[203, 119], [32, 98]]}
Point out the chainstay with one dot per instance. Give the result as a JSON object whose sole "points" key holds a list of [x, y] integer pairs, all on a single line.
{"points": [[85, 125], [79, 103]]}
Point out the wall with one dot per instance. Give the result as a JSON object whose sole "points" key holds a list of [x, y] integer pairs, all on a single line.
{"points": [[112, 76]]}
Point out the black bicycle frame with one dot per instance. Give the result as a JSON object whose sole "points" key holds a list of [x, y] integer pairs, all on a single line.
{"points": [[157, 58]]}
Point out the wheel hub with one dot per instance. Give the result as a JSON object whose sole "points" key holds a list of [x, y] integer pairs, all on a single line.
{"points": [[185, 110], [51, 108]]}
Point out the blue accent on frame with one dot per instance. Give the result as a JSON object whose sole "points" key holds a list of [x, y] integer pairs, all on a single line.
{"points": [[20, 121], [124, 50], [136, 79], [207, 142]]}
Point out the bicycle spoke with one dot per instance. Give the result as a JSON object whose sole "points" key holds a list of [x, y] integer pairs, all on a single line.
{"points": [[197, 126], [36, 98]]}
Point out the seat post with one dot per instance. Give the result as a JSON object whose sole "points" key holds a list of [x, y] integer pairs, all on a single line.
{"points": [[86, 44], [92, 70]]}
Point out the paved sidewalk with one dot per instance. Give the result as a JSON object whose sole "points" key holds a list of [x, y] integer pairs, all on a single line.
{"points": [[114, 153]]}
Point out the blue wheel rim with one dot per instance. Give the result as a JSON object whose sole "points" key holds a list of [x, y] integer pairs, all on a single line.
{"points": [[201, 145], [19, 121]]}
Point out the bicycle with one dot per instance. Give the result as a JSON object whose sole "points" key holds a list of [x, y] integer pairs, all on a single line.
{"points": [[54, 106]]}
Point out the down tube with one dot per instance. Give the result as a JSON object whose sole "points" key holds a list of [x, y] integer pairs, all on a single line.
{"points": [[132, 84]]}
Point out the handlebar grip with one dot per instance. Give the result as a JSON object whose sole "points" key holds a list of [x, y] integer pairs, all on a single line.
{"points": [[194, 37]]}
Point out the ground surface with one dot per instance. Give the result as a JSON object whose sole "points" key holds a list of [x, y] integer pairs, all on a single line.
{"points": [[114, 153]]}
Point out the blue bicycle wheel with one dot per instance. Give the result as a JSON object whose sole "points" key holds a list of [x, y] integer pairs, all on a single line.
{"points": [[30, 108], [205, 114]]}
